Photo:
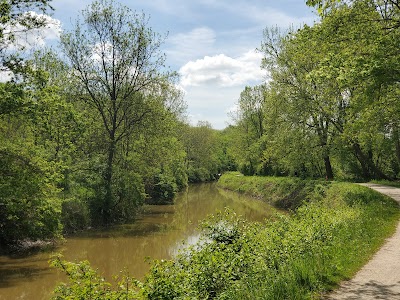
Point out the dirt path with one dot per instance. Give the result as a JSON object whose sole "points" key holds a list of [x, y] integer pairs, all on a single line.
{"points": [[380, 277]]}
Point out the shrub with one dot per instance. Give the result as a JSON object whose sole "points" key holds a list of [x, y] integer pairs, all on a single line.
{"points": [[74, 215], [29, 204], [85, 283], [163, 190]]}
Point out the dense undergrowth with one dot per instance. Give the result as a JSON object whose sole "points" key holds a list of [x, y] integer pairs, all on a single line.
{"points": [[299, 255]]}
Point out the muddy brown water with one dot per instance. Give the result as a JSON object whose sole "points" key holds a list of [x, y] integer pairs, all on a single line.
{"points": [[157, 234]]}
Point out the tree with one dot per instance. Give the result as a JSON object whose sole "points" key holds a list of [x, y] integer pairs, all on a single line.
{"points": [[249, 121], [201, 144], [29, 201], [117, 59], [309, 105], [362, 60], [335, 84], [389, 10], [30, 207], [251, 105]]}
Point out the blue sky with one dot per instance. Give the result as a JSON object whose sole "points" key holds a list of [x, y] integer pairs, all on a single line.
{"points": [[210, 42]]}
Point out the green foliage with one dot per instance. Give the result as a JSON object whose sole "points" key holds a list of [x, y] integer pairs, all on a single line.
{"points": [[198, 174], [164, 189], [129, 195], [323, 6], [206, 150], [30, 208], [11, 98], [248, 134], [75, 216], [87, 284], [160, 158], [331, 107]]}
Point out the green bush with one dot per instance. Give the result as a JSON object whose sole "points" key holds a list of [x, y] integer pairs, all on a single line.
{"points": [[85, 283], [199, 175], [74, 215], [163, 189], [128, 195], [29, 203]]}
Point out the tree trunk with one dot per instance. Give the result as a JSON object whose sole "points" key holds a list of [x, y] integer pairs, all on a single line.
{"points": [[370, 170], [397, 143], [364, 166], [328, 168], [108, 176]]}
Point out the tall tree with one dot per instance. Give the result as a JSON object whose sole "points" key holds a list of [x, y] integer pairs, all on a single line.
{"points": [[201, 144], [117, 59], [29, 201], [249, 119], [363, 61], [309, 104]]}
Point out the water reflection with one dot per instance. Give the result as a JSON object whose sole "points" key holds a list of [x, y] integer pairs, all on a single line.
{"points": [[157, 234]]}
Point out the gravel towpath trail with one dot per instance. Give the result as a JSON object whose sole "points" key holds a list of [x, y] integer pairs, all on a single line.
{"points": [[380, 277]]}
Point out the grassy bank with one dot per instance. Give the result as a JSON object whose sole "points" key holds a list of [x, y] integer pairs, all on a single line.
{"points": [[283, 192], [334, 230]]}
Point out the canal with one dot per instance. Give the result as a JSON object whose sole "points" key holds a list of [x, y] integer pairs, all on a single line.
{"points": [[157, 234]]}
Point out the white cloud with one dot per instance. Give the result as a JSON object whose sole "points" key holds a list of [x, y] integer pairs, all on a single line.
{"points": [[28, 39], [213, 85], [222, 70], [6, 76]]}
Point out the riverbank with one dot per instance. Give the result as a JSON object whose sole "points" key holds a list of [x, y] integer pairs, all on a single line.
{"points": [[333, 229], [286, 193], [346, 248]]}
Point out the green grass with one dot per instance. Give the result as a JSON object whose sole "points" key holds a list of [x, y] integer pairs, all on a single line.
{"points": [[387, 182], [284, 192], [333, 231]]}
